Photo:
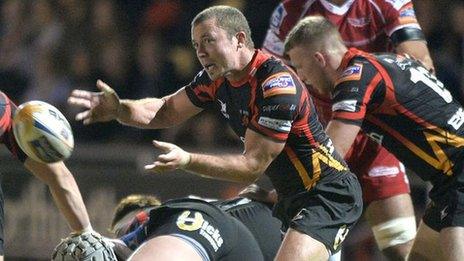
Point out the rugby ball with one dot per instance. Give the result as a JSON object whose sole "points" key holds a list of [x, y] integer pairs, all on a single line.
{"points": [[42, 132]]}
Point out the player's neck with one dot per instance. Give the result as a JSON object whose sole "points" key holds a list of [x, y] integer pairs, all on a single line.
{"points": [[244, 63]]}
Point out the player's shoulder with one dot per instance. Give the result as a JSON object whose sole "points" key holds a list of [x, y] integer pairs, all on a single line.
{"points": [[357, 68], [288, 9], [275, 77]]}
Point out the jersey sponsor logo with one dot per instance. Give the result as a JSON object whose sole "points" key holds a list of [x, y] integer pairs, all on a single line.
{"points": [[279, 107], [407, 15], [352, 73], [383, 171], [346, 105], [275, 124], [359, 22], [340, 237], [204, 228], [277, 84], [278, 16]]}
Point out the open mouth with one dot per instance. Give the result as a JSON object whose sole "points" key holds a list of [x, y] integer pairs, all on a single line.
{"points": [[208, 66]]}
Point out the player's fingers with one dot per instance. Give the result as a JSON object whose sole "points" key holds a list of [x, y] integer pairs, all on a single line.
{"points": [[82, 94], [164, 146], [104, 87], [159, 167], [80, 102], [166, 157], [82, 115]]}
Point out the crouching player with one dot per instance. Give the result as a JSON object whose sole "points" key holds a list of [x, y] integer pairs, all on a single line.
{"points": [[408, 110], [180, 229]]}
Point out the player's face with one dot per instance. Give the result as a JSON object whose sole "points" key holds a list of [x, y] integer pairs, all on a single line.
{"points": [[216, 50], [309, 69]]}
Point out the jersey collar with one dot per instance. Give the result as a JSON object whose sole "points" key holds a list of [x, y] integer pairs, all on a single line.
{"points": [[258, 58], [350, 54], [335, 9]]}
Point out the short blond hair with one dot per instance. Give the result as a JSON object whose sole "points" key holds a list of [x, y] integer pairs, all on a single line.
{"points": [[131, 203], [311, 31]]}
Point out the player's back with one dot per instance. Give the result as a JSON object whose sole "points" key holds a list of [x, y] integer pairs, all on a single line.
{"points": [[257, 217], [409, 111]]}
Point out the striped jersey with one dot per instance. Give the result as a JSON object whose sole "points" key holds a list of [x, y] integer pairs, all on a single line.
{"points": [[272, 101], [401, 105]]}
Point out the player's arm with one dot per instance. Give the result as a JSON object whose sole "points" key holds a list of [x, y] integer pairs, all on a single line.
{"points": [[342, 135], [151, 113], [156, 113], [418, 50], [405, 32], [64, 190], [243, 168]]}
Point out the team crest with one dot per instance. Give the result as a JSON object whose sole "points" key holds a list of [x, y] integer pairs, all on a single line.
{"points": [[352, 73], [281, 83]]}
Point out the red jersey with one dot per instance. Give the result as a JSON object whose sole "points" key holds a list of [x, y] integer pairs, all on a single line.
{"points": [[7, 109], [364, 24]]}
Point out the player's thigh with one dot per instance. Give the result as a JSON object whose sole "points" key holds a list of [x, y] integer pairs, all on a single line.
{"points": [[452, 243], [393, 224], [298, 246], [165, 248], [383, 210], [426, 244]]}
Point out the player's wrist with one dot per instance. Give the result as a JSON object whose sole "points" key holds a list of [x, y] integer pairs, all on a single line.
{"points": [[87, 229], [185, 161]]}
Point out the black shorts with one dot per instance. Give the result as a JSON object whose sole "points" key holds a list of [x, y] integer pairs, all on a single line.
{"points": [[214, 236], [447, 207], [326, 213], [257, 217]]}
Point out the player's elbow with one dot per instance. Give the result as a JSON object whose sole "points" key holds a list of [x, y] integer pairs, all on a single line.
{"points": [[255, 170]]}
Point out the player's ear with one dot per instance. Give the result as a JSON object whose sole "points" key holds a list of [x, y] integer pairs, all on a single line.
{"points": [[241, 39], [320, 59]]}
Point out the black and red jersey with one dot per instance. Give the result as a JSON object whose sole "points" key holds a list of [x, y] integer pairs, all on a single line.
{"points": [[369, 25], [404, 107], [7, 110], [272, 101]]}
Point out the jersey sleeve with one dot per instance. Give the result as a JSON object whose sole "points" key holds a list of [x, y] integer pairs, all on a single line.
{"points": [[399, 15], [276, 106], [202, 90], [282, 20], [7, 110], [353, 92]]}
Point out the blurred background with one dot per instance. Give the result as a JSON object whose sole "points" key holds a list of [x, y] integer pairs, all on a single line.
{"points": [[142, 48]]}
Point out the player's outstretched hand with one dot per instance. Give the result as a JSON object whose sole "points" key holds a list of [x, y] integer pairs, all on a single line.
{"points": [[257, 193], [173, 157], [100, 106]]}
